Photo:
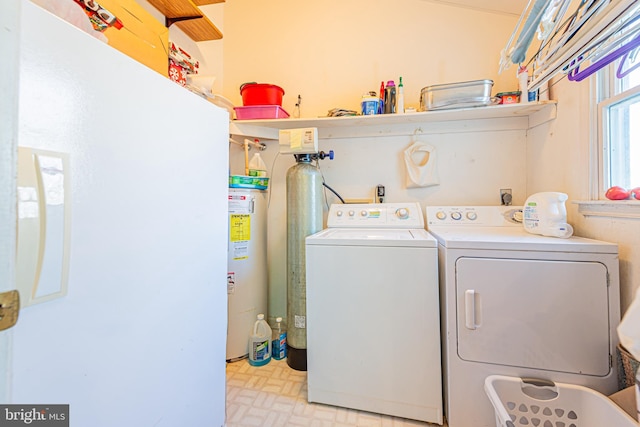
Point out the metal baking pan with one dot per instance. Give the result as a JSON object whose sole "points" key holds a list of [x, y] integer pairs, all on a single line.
{"points": [[474, 93]]}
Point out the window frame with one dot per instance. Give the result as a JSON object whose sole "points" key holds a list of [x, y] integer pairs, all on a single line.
{"points": [[604, 86], [609, 93]]}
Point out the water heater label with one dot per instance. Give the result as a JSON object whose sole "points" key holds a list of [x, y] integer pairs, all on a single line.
{"points": [[231, 283], [240, 250], [239, 228], [241, 204]]}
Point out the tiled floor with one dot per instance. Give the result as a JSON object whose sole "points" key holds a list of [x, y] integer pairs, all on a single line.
{"points": [[276, 395]]}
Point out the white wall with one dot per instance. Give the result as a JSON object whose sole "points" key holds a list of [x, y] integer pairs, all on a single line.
{"points": [[332, 52]]}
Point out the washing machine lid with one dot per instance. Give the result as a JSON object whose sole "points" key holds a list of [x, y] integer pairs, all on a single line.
{"points": [[515, 238], [373, 237]]}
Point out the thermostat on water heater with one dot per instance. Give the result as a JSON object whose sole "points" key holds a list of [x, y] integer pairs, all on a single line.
{"points": [[298, 141]]}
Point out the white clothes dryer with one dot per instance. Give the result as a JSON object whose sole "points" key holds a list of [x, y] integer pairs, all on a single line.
{"points": [[373, 322], [522, 305]]}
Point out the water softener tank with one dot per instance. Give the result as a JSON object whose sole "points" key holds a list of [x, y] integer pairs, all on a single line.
{"points": [[304, 217]]}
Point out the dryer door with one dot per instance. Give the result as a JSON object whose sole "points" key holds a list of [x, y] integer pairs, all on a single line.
{"points": [[541, 314]]}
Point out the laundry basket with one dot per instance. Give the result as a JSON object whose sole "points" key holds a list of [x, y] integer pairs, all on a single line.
{"points": [[541, 403]]}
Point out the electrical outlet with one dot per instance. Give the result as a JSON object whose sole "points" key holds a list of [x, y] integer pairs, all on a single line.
{"points": [[505, 196], [379, 194]]}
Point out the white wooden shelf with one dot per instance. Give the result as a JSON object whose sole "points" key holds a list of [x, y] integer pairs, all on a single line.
{"points": [[609, 208], [490, 118], [187, 15]]}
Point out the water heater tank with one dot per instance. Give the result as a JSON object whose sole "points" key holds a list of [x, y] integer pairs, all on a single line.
{"points": [[247, 267]]}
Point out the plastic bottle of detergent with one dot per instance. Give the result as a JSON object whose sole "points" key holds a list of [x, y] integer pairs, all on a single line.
{"points": [[381, 105], [546, 214], [523, 83], [390, 98], [279, 342], [257, 166], [260, 343], [400, 99]]}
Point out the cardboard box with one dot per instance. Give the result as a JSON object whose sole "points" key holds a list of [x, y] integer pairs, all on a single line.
{"points": [[123, 24], [142, 37]]}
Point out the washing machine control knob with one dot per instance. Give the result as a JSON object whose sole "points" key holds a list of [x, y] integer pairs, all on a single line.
{"points": [[472, 216], [457, 216], [441, 215], [402, 213], [338, 213], [363, 213], [351, 213]]}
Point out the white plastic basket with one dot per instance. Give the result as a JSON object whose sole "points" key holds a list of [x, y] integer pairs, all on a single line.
{"points": [[541, 403]]}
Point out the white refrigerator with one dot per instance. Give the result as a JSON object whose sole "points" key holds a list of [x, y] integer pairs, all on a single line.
{"points": [[129, 308]]}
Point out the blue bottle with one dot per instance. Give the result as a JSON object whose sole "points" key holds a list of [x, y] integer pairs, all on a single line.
{"points": [[279, 344]]}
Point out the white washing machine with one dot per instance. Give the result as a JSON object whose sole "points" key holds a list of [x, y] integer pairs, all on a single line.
{"points": [[519, 304], [373, 325]]}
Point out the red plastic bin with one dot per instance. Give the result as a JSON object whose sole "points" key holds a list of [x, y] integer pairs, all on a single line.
{"points": [[261, 94]]}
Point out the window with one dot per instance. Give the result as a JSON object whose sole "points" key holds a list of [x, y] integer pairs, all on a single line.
{"points": [[618, 111]]}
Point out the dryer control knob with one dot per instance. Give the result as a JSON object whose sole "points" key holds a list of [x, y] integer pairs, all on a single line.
{"points": [[351, 213], [441, 215], [472, 216], [363, 213], [339, 213], [402, 213], [456, 216]]}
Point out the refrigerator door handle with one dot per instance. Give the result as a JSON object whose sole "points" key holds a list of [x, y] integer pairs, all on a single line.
{"points": [[43, 225]]}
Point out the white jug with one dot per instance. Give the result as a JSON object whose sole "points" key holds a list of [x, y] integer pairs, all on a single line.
{"points": [[260, 343], [546, 214]]}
